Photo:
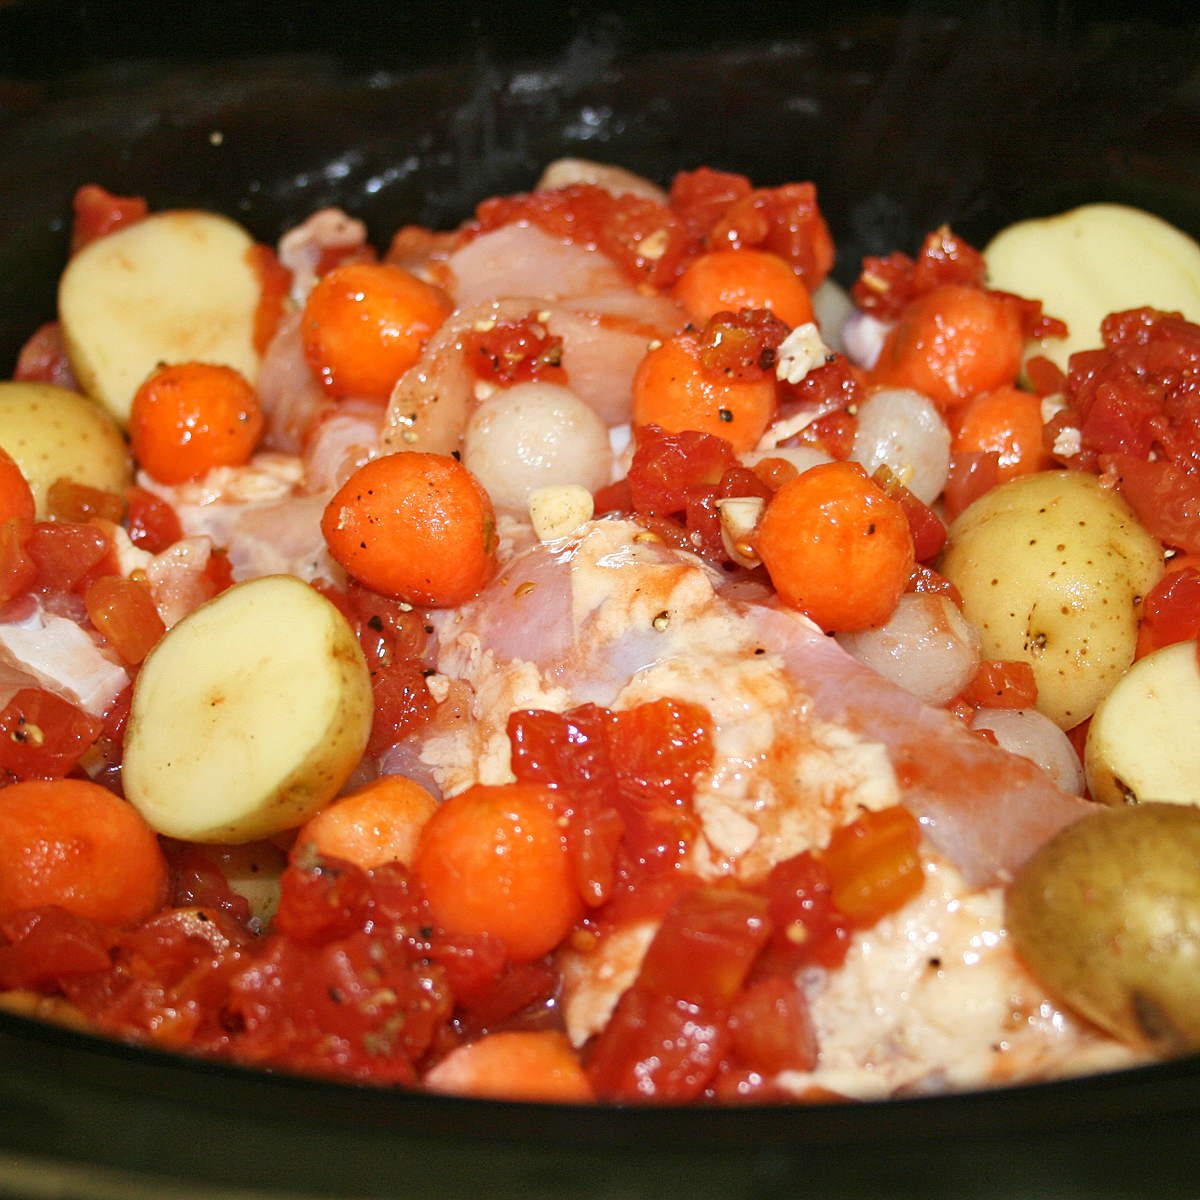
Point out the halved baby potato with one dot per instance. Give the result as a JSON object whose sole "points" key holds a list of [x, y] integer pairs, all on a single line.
{"points": [[53, 433], [174, 287], [248, 716], [1142, 742], [1092, 261]]}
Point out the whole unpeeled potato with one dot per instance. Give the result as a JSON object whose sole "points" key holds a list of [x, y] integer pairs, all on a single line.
{"points": [[54, 433], [1052, 569], [1107, 915]]}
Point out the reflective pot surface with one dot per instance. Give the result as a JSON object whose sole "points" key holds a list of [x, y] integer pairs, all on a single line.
{"points": [[905, 117]]}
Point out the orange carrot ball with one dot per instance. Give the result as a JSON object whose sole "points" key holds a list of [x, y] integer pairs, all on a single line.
{"points": [[729, 280], [191, 417], [73, 843], [515, 1065], [364, 325], [1006, 422], [379, 823], [671, 389], [836, 547], [417, 527], [951, 344], [493, 861]]}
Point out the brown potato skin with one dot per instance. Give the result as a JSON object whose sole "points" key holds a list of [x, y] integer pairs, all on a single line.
{"points": [[1107, 915]]}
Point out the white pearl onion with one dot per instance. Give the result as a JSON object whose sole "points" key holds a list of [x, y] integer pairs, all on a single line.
{"points": [[531, 436], [926, 646], [1026, 732], [903, 430]]}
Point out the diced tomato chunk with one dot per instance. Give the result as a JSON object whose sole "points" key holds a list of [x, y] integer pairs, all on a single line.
{"points": [[124, 612], [43, 359], [667, 1036], [666, 465], [514, 352], [772, 1028], [67, 555], [98, 212], [1002, 683], [972, 473], [46, 944], [402, 703], [152, 523], [67, 500], [874, 864], [1171, 611], [17, 570], [806, 927], [43, 736]]}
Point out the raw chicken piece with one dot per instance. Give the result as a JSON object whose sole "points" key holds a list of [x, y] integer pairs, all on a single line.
{"points": [[804, 735], [45, 651]]}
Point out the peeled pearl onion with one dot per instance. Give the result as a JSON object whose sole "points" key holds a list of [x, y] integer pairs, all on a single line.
{"points": [[926, 647], [535, 435], [1026, 732], [904, 430]]}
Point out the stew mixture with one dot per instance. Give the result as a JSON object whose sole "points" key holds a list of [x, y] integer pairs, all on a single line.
{"points": [[588, 655]]}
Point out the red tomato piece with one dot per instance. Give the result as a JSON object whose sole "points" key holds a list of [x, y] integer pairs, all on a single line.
{"points": [[151, 522], [98, 212], [43, 736]]}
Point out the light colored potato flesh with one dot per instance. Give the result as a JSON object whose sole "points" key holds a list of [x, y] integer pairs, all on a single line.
{"points": [[1051, 569], [1092, 261], [175, 287], [53, 433], [248, 716], [1142, 743]]}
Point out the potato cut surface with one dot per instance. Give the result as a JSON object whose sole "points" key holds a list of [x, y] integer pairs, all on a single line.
{"points": [[175, 287], [248, 716], [1142, 742], [1092, 261]]}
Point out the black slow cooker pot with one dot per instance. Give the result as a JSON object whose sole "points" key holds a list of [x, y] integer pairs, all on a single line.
{"points": [[905, 117]]}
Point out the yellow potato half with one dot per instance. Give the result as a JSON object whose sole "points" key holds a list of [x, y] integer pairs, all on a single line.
{"points": [[248, 716], [1052, 569], [174, 287], [53, 433], [1142, 743], [1092, 261]]}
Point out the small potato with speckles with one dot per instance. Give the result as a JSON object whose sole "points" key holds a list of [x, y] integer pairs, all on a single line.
{"points": [[1052, 569], [53, 433]]}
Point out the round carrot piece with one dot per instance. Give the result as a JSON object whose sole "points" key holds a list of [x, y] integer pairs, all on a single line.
{"points": [[417, 527], [729, 280], [75, 844], [493, 860], [951, 344], [191, 417], [836, 547], [515, 1065], [364, 325], [671, 389], [16, 497], [379, 823], [1007, 422]]}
